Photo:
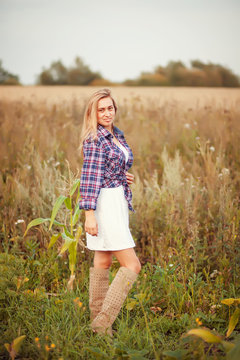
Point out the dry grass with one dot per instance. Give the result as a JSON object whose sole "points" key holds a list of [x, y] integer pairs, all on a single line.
{"points": [[185, 96]]}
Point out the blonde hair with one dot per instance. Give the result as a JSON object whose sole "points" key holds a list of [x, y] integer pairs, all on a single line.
{"points": [[89, 128]]}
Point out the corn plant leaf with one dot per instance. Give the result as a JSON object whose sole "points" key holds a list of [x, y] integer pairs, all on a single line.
{"points": [[205, 335], [8, 347], [131, 304], [18, 342], [227, 345], [35, 222], [68, 234], [74, 187], [230, 301], [68, 203], [233, 321], [67, 243], [234, 353], [78, 233], [53, 240], [76, 215], [176, 354], [72, 256], [56, 207]]}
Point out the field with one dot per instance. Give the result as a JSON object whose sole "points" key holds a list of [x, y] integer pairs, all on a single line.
{"points": [[185, 303]]}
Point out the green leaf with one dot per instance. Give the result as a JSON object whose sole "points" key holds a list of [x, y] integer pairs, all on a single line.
{"points": [[35, 222], [233, 322], [205, 335], [176, 354], [230, 301], [7, 346], [74, 187], [131, 304], [68, 234], [98, 354], [78, 233], [68, 203], [76, 216], [18, 342], [53, 240], [227, 345], [67, 243], [234, 354], [72, 256], [56, 207]]}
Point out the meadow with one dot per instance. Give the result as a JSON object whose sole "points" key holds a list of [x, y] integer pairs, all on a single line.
{"points": [[186, 301]]}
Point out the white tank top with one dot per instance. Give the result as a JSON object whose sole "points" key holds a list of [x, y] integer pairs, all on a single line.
{"points": [[124, 151]]}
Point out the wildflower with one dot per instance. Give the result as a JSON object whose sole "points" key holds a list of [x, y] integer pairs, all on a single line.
{"points": [[19, 221], [53, 346], [225, 171], [46, 337], [36, 339], [79, 303], [187, 126], [170, 265], [198, 321], [213, 274], [27, 166], [76, 299], [47, 348], [212, 148]]}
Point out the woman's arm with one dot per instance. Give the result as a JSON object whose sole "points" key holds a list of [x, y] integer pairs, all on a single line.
{"points": [[92, 176]]}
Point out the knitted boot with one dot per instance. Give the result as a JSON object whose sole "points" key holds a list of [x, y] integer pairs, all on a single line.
{"points": [[98, 287], [114, 300]]}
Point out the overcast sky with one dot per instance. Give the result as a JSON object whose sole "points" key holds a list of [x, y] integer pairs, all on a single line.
{"points": [[118, 38]]}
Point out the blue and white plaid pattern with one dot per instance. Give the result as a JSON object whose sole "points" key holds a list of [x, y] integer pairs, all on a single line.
{"points": [[104, 166]]}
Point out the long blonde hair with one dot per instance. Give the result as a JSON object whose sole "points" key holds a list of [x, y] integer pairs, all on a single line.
{"points": [[89, 128]]}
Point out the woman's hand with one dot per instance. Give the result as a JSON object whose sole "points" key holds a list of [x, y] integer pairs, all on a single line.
{"points": [[90, 226], [130, 178]]}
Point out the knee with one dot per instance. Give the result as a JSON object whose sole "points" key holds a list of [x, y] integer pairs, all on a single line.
{"points": [[102, 263], [135, 266]]}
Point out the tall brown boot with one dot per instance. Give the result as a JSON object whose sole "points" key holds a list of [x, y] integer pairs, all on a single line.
{"points": [[98, 287], [114, 300]]}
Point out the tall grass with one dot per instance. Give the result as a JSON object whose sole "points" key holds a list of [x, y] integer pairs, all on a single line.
{"points": [[186, 225]]}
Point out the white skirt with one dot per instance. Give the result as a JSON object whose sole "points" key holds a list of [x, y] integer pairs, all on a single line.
{"points": [[112, 215]]}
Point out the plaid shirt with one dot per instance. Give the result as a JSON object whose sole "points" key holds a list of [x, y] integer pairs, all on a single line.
{"points": [[104, 166]]}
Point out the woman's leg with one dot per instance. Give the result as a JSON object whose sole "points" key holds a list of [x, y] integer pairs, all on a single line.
{"points": [[128, 259], [98, 281]]}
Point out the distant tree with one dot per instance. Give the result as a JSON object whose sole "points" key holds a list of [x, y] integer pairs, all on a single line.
{"points": [[6, 78], [58, 74], [80, 73], [174, 73]]}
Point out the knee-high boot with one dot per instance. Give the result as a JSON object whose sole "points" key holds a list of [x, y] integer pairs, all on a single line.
{"points": [[98, 287], [114, 300]]}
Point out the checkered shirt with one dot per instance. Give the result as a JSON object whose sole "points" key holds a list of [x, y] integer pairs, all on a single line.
{"points": [[104, 166]]}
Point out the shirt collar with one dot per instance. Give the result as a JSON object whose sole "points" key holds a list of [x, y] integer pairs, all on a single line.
{"points": [[106, 133]]}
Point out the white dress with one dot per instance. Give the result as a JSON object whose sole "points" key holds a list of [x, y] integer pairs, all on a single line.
{"points": [[112, 217]]}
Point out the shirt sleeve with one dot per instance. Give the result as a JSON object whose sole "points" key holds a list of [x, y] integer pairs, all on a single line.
{"points": [[92, 174]]}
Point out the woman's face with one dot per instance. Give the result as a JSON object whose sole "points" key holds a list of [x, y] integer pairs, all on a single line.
{"points": [[106, 113]]}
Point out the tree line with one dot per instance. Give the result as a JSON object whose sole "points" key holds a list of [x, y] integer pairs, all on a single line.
{"points": [[175, 73]]}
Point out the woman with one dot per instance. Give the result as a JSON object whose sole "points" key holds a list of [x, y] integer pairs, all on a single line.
{"points": [[107, 198]]}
